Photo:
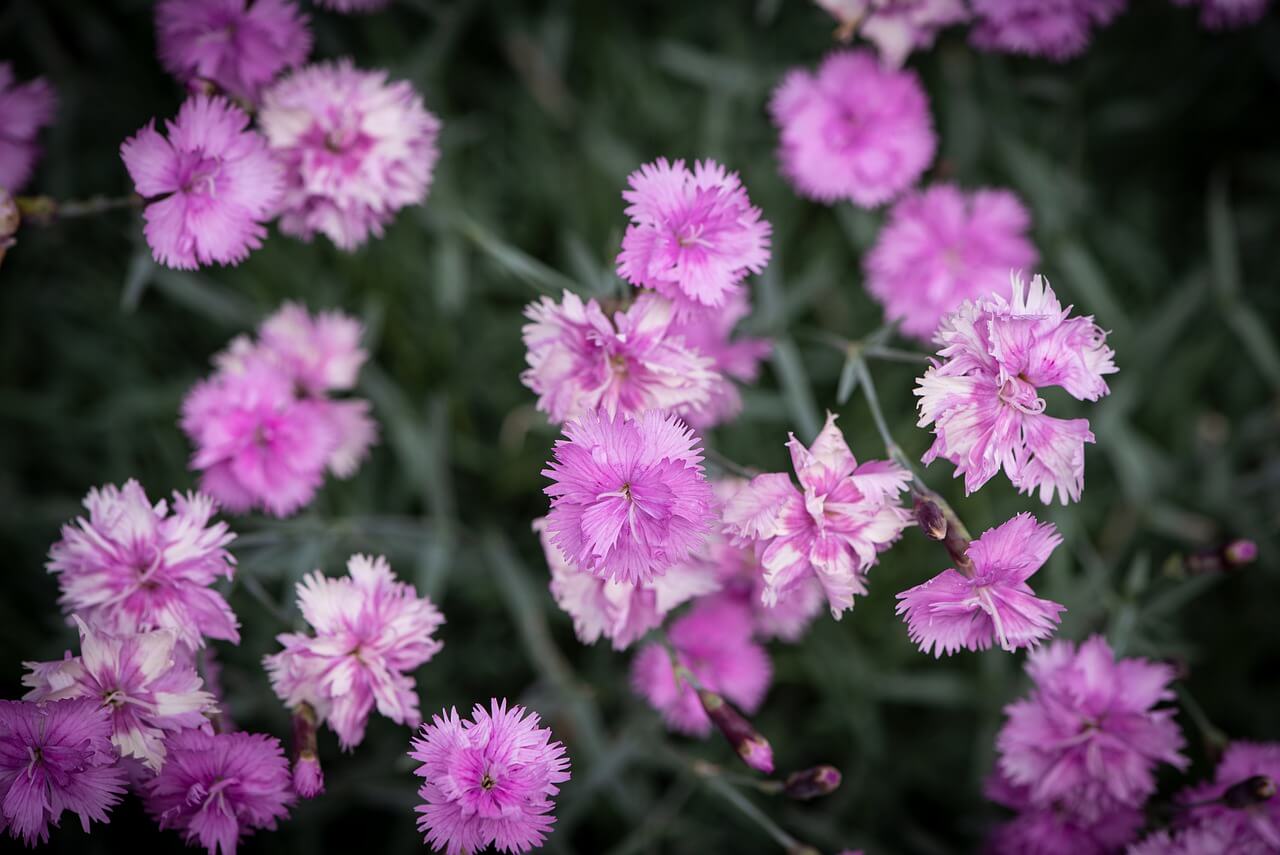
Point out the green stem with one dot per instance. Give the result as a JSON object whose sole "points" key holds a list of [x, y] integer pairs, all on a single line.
{"points": [[45, 210]]}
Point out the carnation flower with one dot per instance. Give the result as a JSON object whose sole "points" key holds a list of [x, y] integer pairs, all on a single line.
{"points": [[1226, 14], [831, 528], [1255, 823], [942, 246], [713, 642], [895, 27], [488, 780], [709, 333], [742, 580], [629, 498], [25, 108], [321, 352], [239, 45], [219, 788], [1056, 29], [133, 566], [348, 7], [990, 602], [856, 130], [982, 397], [1055, 831], [371, 633], [694, 235], [209, 186], [55, 757], [1198, 840], [355, 149]]}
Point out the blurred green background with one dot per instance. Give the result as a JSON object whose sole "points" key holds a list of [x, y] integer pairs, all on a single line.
{"points": [[1151, 165]]}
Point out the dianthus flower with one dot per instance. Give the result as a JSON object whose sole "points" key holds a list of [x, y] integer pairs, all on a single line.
{"points": [[629, 498], [1056, 29], [133, 566], [831, 528], [1055, 831], [489, 780], [895, 27], [24, 110], [1227, 14], [55, 757], [355, 149], [209, 186], [982, 397], [371, 632], [1198, 840], [239, 45], [1215, 804], [348, 7], [857, 130], [321, 352], [709, 333], [942, 246]]}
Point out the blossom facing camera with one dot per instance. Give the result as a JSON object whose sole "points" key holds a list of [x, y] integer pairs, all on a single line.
{"points": [[1055, 29], [26, 108]]}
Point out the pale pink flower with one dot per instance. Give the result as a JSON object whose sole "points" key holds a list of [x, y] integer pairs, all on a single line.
{"points": [[1256, 824], [24, 109], [321, 352], [1056, 29], [710, 333], [1228, 14], [1039, 830], [896, 27]]}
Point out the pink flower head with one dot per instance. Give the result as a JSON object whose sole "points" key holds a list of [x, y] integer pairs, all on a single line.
{"points": [[321, 352], [1206, 839], [55, 757], [355, 148], [1089, 736], [348, 7], [1228, 14], [1056, 29], [580, 361], [137, 677], [210, 185], [24, 110], [982, 397], [709, 333], [488, 781], [832, 528], [896, 27], [995, 603], [219, 788], [1256, 824], [713, 641], [694, 235], [1055, 831], [133, 566], [239, 45], [629, 498], [371, 633], [856, 130], [943, 246]]}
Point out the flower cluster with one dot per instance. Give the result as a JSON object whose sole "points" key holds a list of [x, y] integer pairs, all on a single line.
{"points": [[25, 108]]}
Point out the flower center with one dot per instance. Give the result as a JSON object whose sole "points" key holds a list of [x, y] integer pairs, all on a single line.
{"points": [[487, 781], [114, 698]]}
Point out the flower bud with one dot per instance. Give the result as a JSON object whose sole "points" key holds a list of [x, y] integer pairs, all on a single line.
{"points": [[1251, 791], [812, 783], [1219, 559], [753, 748], [10, 219], [930, 518], [308, 777], [1238, 553]]}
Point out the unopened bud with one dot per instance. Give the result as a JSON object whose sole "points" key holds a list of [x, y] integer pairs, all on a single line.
{"points": [[308, 777], [1249, 792], [753, 748], [1219, 559], [1238, 553], [812, 783], [930, 518], [10, 219]]}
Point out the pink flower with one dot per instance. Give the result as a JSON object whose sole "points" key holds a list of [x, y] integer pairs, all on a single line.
{"points": [[580, 361], [136, 677], [1199, 840], [982, 398], [1056, 29], [209, 187], [348, 7], [1055, 831], [713, 641], [1256, 824], [321, 352], [1089, 736], [1227, 14], [487, 781], [55, 757], [371, 633], [355, 149], [942, 246], [896, 27], [219, 788], [709, 333], [629, 498], [133, 566], [995, 603], [856, 130], [830, 529], [24, 110], [240, 45], [694, 235]]}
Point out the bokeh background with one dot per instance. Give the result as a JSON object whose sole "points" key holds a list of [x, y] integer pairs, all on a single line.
{"points": [[1151, 165]]}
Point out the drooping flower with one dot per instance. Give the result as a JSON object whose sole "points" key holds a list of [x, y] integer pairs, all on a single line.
{"points": [[355, 149], [629, 498], [982, 397], [55, 757], [710, 333], [349, 7], [856, 130], [217, 789], [1039, 830], [133, 566], [489, 780], [942, 246], [895, 27], [1228, 14], [832, 528], [1249, 821], [24, 109], [1056, 29], [210, 186], [239, 45], [371, 632]]}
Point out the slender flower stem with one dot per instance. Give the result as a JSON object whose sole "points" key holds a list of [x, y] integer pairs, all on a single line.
{"points": [[45, 210], [1215, 740], [726, 791], [730, 466], [893, 354]]}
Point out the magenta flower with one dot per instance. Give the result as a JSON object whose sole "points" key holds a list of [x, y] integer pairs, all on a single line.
{"points": [[355, 149], [487, 781], [209, 186], [713, 641], [694, 235], [24, 109], [982, 398], [1056, 29], [321, 352], [133, 566], [896, 27], [709, 333], [1090, 735], [1255, 824], [219, 788], [348, 7], [371, 633], [1198, 840], [832, 528], [856, 130], [1228, 14], [629, 498], [1055, 831], [942, 246], [55, 757], [239, 45]]}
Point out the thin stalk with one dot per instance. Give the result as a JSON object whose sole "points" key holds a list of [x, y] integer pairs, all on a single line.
{"points": [[45, 210], [749, 809], [730, 466], [894, 354], [1214, 738]]}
